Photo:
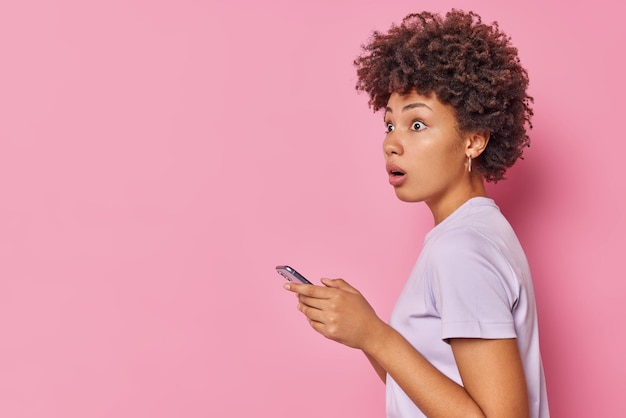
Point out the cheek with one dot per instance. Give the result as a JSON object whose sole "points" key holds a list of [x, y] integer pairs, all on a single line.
{"points": [[451, 153], [430, 155], [440, 162]]}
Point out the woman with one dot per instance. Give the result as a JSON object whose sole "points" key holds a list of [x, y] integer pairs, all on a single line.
{"points": [[462, 339]]}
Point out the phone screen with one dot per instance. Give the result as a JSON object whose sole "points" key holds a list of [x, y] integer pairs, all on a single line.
{"points": [[291, 274]]}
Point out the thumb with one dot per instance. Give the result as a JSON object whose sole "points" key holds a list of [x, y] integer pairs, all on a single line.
{"points": [[340, 284]]}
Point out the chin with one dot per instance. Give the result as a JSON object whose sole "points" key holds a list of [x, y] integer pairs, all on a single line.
{"points": [[406, 197]]}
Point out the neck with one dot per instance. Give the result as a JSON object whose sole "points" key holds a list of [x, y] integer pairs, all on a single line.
{"points": [[444, 207]]}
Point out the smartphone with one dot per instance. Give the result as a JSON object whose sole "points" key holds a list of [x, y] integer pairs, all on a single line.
{"points": [[291, 274]]}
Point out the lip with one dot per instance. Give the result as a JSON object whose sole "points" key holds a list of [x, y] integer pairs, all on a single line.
{"points": [[395, 179]]}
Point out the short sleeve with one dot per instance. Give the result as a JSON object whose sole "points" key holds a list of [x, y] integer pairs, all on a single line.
{"points": [[472, 286]]}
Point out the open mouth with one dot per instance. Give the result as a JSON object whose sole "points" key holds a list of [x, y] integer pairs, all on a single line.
{"points": [[394, 170], [397, 176]]}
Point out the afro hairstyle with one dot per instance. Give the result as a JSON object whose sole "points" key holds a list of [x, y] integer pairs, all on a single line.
{"points": [[468, 65]]}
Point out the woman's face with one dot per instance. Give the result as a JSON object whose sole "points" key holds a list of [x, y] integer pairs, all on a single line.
{"points": [[424, 152]]}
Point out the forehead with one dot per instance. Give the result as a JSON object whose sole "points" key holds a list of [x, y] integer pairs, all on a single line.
{"points": [[400, 103], [402, 99]]}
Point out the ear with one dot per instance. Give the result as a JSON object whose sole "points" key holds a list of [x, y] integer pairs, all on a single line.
{"points": [[475, 143]]}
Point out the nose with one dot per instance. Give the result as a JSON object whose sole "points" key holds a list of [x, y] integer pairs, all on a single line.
{"points": [[392, 145]]}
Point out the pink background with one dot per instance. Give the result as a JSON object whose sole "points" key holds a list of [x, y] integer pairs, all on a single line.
{"points": [[159, 158]]}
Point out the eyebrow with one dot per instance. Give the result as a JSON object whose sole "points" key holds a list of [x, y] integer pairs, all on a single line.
{"points": [[409, 107]]}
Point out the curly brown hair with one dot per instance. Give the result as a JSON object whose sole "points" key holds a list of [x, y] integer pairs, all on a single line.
{"points": [[467, 64]]}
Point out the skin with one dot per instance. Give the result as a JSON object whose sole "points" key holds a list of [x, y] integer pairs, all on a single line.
{"points": [[422, 141]]}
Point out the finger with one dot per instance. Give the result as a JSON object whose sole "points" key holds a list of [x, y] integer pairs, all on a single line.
{"points": [[323, 329], [311, 290], [339, 284], [313, 302], [312, 314], [295, 287], [318, 326]]}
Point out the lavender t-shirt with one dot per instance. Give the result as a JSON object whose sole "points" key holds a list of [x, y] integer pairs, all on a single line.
{"points": [[471, 280]]}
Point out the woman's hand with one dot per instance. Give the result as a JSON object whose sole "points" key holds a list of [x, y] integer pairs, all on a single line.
{"points": [[491, 370], [338, 312]]}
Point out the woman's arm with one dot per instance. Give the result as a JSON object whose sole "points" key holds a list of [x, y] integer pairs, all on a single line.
{"points": [[494, 384], [492, 372], [493, 375], [382, 373]]}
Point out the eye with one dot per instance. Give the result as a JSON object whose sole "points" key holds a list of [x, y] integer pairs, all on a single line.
{"points": [[417, 125], [389, 127]]}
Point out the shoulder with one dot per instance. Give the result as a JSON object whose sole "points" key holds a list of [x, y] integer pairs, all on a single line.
{"points": [[468, 259], [478, 229], [460, 242]]}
